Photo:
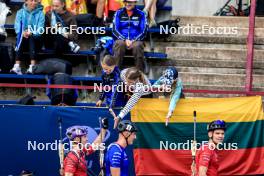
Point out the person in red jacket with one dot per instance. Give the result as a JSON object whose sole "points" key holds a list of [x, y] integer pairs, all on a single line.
{"points": [[207, 162], [74, 163]]}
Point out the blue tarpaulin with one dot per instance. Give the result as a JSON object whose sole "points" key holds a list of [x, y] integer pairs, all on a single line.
{"points": [[29, 135]]}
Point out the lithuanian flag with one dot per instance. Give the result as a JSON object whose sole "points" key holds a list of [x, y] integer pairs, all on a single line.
{"points": [[161, 150]]}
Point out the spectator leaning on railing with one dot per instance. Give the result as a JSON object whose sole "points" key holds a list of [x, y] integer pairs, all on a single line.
{"points": [[29, 19], [129, 28], [110, 77], [170, 83], [59, 18], [137, 84]]}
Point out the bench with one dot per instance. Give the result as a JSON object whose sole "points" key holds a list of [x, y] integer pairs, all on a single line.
{"points": [[107, 29], [38, 79], [150, 31], [87, 53], [43, 78], [141, 7], [148, 55]]}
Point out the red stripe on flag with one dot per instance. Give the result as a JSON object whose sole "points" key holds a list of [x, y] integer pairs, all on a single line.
{"points": [[178, 162]]}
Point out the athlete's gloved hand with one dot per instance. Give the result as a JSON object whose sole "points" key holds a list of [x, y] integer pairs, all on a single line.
{"points": [[117, 119], [112, 113], [104, 122]]}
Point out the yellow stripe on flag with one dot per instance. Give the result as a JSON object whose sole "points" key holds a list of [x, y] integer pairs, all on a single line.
{"points": [[238, 109]]}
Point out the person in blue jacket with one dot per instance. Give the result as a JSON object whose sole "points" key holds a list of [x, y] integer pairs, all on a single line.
{"points": [[116, 158], [111, 78], [129, 29], [29, 25]]}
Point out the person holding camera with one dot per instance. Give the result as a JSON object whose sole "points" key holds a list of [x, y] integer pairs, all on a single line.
{"points": [[61, 28]]}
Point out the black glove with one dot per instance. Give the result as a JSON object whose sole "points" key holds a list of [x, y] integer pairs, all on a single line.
{"points": [[104, 123]]}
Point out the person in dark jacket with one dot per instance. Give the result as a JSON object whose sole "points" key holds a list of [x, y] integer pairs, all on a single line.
{"points": [[129, 29], [65, 37], [111, 77]]}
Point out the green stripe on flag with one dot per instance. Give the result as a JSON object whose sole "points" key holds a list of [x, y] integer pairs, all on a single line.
{"points": [[155, 135]]}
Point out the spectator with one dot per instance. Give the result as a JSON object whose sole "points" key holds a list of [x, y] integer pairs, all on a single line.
{"points": [[111, 77], [136, 83], [111, 7], [170, 80], [62, 97], [99, 8], [151, 9], [4, 12], [129, 28], [65, 39], [84, 11], [29, 21]]}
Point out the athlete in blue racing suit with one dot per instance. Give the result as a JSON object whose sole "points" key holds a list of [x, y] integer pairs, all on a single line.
{"points": [[116, 159]]}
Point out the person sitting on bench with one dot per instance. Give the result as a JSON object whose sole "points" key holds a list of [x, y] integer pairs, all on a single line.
{"points": [[28, 24], [88, 13], [129, 28], [64, 40]]}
